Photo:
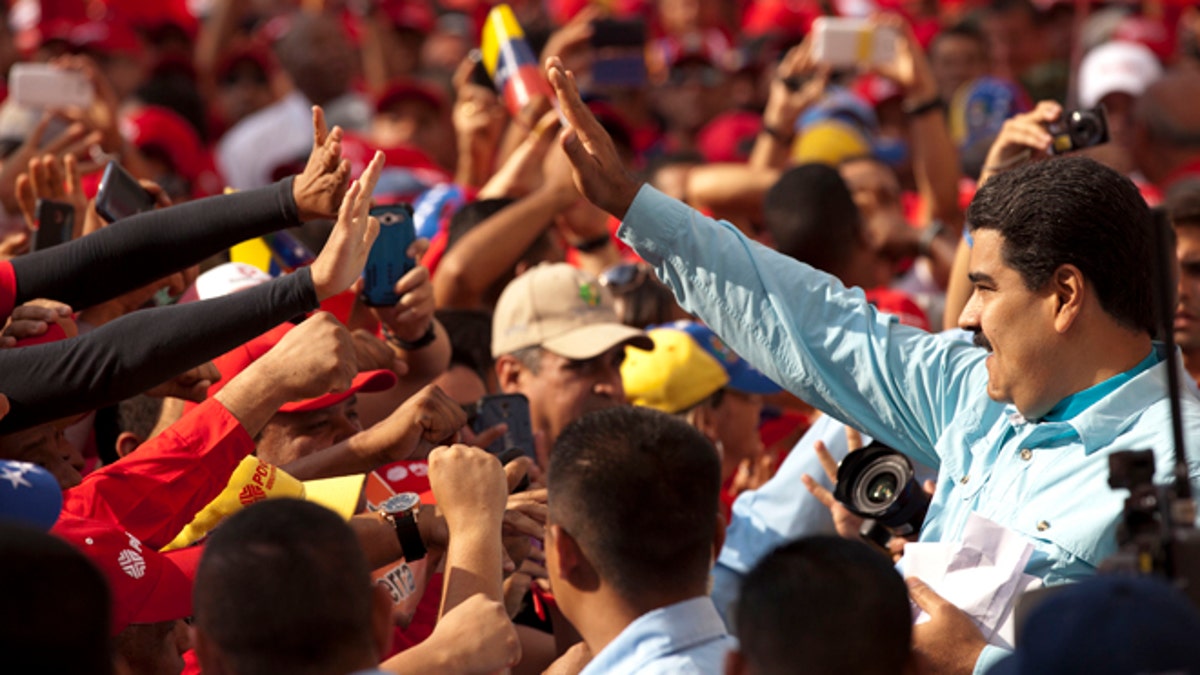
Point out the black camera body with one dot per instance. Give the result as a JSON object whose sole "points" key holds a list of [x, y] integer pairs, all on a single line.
{"points": [[878, 482], [1078, 129]]}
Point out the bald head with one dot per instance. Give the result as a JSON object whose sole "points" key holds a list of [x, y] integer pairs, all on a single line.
{"points": [[1167, 125]]}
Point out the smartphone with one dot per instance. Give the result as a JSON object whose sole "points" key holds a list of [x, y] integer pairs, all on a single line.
{"points": [[55, 223], [845, 42], [479, 73], [620, 48], [120, 195], [512, 410], [388, 260], [41, 85]]}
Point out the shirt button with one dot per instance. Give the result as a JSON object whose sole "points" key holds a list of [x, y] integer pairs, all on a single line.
{"points": [[965, 479], [1042, 526], [1026, 454]]}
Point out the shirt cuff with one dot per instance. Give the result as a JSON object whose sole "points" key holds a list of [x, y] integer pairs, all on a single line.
{"points": [[988, 658], [652, 222]]}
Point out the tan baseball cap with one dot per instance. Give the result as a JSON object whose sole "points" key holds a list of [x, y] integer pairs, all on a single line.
{"points": [[561, 309]]}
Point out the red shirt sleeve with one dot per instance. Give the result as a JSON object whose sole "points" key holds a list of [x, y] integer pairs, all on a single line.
{"points": [[8, 289], [156, 491]]}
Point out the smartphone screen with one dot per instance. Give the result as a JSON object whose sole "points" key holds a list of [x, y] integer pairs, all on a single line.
{"points": [[120, 195], [388, 260], [512, 410]]}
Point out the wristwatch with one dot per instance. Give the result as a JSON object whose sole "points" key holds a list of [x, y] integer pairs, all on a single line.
{"points": [[401, 511]]}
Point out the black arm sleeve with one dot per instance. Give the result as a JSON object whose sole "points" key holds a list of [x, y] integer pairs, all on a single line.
{"points": [[140, 249], [141, 350]]}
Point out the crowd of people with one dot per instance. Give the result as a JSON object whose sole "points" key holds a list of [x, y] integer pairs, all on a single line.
{"points": [[707, 259]]}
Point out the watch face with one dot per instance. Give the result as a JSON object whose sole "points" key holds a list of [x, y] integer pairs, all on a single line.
{"points": [[400, 503]]}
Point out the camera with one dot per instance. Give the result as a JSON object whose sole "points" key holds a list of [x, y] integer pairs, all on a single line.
{"points": [[1077, 130], [878, 482]]}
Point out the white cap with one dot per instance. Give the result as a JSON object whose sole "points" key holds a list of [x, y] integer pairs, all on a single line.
{"points": [[1126, 67], [224, 280]]}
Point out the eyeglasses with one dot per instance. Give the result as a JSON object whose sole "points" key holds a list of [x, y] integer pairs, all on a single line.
{"points": [[624, 277]]}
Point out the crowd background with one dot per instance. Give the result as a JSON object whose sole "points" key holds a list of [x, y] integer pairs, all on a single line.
{"points": [[161, 378]]}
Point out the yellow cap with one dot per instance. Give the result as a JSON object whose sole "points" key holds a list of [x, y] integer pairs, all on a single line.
{"points": [[830, 142], [674, 376]]}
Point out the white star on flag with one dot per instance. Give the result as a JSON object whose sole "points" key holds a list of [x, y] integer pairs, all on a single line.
{"points": [[15, 474]]}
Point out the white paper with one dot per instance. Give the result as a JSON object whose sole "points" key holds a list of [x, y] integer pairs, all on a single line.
{"points": [[983, 575]]}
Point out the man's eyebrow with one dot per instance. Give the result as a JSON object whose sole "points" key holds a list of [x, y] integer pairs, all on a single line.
{"points": [[981, 278]]}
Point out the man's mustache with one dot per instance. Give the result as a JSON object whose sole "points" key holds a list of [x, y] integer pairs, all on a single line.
{"points": [[981, 341]]}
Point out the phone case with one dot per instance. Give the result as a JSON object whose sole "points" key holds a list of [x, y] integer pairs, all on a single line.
{"points": [[120, 195], [55, 222], [847, 42], [41, 85], [388, 260], [513, 410]]}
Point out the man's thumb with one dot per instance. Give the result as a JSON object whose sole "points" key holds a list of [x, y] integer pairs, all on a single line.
{"points": [[925, 597]]}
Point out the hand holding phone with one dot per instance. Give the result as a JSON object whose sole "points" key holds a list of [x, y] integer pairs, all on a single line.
{"points": [[388, 260], [120, 195], [847, 42], [512, 410], [55, 223]]}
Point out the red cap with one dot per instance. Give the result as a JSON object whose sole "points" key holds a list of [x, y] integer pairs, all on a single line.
{"points": [[778, 17], [147, 586], [876, 89], [891, 301], [417, 15], [235, 361], [106, 37], [729, 137], [401, 90], [163, 128]]}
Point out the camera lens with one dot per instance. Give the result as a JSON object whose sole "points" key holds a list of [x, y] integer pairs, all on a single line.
{"points": [[878, 482], [882, 488]]}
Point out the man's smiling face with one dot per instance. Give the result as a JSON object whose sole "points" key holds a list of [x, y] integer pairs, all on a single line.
{"points": [[1015, 324]]}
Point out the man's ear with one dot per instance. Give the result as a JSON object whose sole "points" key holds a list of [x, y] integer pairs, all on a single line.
{"points": [[704, 418], [508, 373], [573, 564], [127, 442], [382, 624], [1070, 292]]}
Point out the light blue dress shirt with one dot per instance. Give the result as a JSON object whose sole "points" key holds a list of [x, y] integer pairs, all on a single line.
{"points": [[803, 329], [687, 637]]}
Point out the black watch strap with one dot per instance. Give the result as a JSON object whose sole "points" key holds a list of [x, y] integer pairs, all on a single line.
{"points": [[409, 536]]}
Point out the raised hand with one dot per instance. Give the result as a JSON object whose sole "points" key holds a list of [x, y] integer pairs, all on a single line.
{"points": [[345, 253], [426, 418], [313, 359], [599, 173], [321, 187], [1022, 137]]}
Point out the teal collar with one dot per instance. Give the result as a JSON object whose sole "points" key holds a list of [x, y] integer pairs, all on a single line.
{"points": [[1076, 403]]}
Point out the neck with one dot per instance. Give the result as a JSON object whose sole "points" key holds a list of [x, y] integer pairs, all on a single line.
{"points": [[1091, 363]]}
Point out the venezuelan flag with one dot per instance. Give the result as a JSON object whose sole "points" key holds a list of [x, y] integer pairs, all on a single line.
{"points": [[509, 60]]}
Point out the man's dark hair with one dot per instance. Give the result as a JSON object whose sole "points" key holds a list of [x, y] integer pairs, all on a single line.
{"points": [[1075, 211], [57, 610], [812, 216], [470, 332], [638, 490], [830, 603], [1183, 203], [139, 415], [964, 29], [283, 587]]}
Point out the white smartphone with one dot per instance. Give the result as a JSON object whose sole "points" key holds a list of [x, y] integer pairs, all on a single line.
{"points": [[845, 42], [41, 85]]}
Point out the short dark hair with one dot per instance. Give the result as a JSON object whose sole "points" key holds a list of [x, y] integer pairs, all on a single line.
{"points": [[1183, 203], [283, 586], [830, 603], [57, 610], [1075, 211], [638, 489], [812, 216], [963, 29], [470, 332], [139, 415]]}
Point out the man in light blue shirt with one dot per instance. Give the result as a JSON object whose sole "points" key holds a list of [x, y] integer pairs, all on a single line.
{"points": [[630, 537], [1063, 301]]}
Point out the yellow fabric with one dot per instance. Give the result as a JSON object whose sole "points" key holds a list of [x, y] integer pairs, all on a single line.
{"points": [[253, 252], [339, 494], [830, 142], [501, 26]]}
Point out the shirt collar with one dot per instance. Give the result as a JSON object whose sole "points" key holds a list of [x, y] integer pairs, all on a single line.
{"points": [[662, 632]]}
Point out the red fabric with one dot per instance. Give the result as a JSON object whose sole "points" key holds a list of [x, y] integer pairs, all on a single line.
{"points": [[155, 492], [8, 289], [1185, 171]]}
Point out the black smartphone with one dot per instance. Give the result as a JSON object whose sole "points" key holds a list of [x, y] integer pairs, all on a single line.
{"points": [[509, 409], [620, 48], [120, 195], [388, 260], [55, 223]]}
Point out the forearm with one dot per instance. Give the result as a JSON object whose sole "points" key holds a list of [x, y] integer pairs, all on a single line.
{"points": [[474, 564], [377, 538], [492, 248], [735, 189], [936, 169], [149, 246], [143, 349], [356, 454]]}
